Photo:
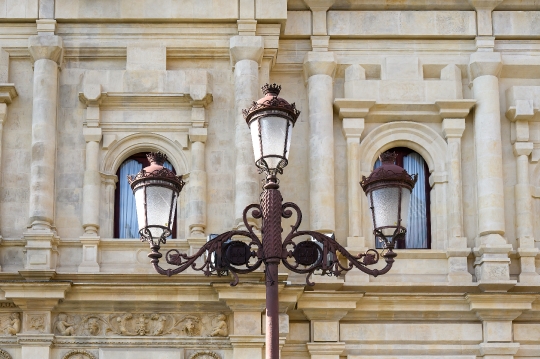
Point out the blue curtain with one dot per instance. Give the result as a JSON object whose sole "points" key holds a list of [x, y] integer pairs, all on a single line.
{"points": [[128, 225], [417, 220], [417, 223]]}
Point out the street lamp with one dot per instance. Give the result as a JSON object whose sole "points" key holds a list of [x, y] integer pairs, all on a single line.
{"points": [[271, 120]]}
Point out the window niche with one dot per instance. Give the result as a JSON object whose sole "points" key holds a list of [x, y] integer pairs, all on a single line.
{"points": [[419, 221], [125, 214]]}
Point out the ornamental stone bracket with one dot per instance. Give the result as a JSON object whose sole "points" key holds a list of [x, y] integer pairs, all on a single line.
{"points": [[325, 309], [497, 312]]}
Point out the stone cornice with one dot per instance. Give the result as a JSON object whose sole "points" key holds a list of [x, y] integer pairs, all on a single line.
{"points": [[35, 295], [373, 111]]}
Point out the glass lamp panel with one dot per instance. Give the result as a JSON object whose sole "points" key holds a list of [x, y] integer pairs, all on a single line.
{"points": [[385, 208], [273, 134], [158, 206], [254, 127], [139, 205], [405, 204]]}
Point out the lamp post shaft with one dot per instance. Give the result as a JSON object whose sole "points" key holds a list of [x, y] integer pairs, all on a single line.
{"points": [[271, 208]]}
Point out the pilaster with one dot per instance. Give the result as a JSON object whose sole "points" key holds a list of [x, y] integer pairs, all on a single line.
{"points": [[497, 311], [521, 111], [37, 300], [319, 38], [247, 302], [325, 310], [453, 125], [7, 94], [91, 97], [319, 69], [246, 55], [196, 207]]}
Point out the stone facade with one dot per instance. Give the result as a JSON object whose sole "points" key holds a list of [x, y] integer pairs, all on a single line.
{"points": [[84, 84]]}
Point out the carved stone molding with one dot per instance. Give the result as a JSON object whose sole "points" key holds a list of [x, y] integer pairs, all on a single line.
{"points": [[5, 355], [205, 355], [79, 354], [142, 324]]}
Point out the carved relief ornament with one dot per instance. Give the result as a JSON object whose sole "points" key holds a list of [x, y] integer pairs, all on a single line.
{"points": [[141, 324], [4, 354]]}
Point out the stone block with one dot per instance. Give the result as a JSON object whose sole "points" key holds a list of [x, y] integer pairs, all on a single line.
{"points": [[151, 58], [514, 24], [278, 10], [298, 23], [140, 353], [325, 331], [402, 23], [19, 9]]}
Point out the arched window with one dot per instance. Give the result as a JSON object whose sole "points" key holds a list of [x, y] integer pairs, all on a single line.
{"points": [[125, 214], [419, 223]]}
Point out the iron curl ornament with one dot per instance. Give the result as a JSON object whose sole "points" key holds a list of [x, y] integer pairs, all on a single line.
{"points": [[227, 253]]}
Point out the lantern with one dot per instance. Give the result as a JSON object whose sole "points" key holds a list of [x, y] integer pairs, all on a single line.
{"points": [[388, 189], [270, 121], [156, 191]]}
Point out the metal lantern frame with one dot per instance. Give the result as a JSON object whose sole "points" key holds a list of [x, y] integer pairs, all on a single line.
{"points": [[304, 252], [272, 105], [389, 175], [160, 177]]}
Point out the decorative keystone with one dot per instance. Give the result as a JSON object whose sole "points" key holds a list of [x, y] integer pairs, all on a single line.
{"points": [[485, 64], [48, 47], [246, 48]]}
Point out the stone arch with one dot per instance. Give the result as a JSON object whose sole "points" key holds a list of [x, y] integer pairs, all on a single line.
{"points": [[4, 354], [143, 142], [78, 353], [432, 147], [205, 355], [416, 136]]}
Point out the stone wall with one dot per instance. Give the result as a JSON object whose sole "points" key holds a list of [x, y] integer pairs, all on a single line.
{"points": [[84, 84]]}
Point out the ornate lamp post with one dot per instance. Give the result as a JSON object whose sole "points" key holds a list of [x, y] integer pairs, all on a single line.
{"points": [[271, 120]]}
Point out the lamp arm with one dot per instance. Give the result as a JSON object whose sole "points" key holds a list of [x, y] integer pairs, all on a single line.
{"points": [[321, 252], [220, 254]]}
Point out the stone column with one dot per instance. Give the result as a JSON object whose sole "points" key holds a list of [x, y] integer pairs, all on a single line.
{"points": [[246, 56], [46, 52], [196, 208], [491, 265], [247, 302], [319, 69]]}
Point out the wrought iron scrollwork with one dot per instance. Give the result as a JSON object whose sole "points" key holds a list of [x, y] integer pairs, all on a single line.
{"points": [[223, 254], [227, 253], [323, 253]]}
